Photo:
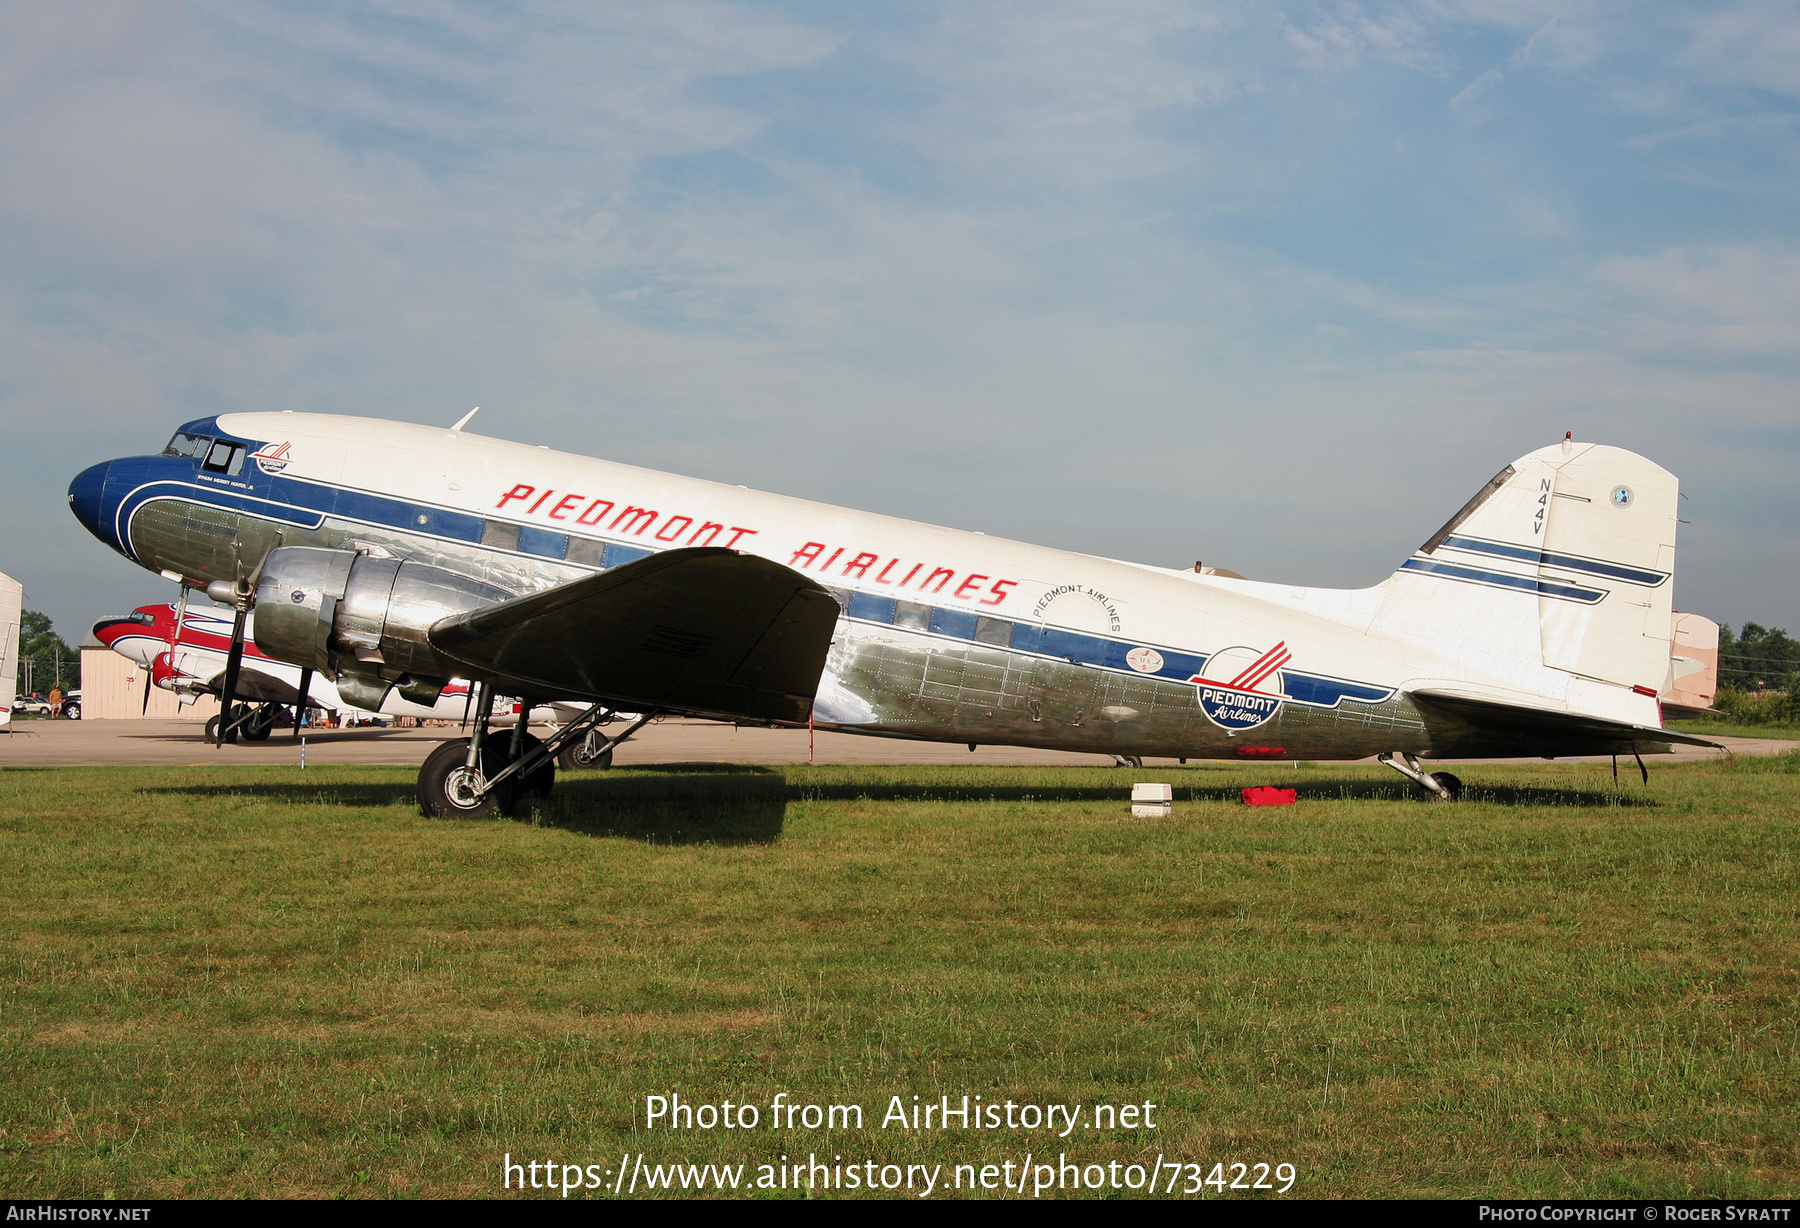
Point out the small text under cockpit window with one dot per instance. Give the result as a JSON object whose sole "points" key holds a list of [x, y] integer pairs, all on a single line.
{"points": [[187, 445]]}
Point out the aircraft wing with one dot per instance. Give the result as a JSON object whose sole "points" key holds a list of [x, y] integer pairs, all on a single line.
{"points": [[704, 630], [1501, 729], [254, 686]]}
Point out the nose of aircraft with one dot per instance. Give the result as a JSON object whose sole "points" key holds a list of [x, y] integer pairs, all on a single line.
{"points": [[87, 499]]}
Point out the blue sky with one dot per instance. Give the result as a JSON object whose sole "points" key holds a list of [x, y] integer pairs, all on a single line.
{"points": [[1273, 285]]}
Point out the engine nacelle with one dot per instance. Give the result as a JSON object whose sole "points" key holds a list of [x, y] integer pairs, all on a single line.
{"points": [[341, 612]]}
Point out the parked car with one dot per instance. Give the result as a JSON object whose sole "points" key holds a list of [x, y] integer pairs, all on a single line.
{"points": [[72, 705], [31, 705]]}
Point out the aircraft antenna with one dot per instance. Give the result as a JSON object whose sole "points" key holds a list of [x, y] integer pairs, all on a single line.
{"points": [[464, 420]]}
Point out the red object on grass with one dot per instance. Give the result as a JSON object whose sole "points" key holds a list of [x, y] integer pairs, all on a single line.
{"points": [[1269, 795]]}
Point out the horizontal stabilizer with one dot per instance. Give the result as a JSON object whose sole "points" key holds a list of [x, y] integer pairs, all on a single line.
{"points": [[1501, 730], [703, 630]]}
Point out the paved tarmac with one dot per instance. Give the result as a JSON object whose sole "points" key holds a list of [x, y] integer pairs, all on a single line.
{"points": [[39, 743]]}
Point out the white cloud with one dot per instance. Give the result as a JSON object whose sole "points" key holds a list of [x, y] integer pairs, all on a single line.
{"points": [[1755, 44], [1342, 35], [1725, 299]]}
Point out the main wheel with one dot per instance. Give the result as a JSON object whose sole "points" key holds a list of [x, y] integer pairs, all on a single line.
{"points": [[1450, 784], [1130, 761], [447, 789], [260, 724], [579, 756]]}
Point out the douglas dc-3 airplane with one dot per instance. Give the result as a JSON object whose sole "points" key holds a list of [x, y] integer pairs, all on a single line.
{"points": [[393, 557]]}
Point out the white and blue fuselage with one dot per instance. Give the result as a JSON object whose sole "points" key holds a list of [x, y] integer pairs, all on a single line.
{"points": [[944, 634]]}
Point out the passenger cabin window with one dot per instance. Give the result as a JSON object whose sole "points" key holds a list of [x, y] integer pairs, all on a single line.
{"points": [[993, 631], [586, 550], [225, 457], [499, 534], [187, 445], [912, 614]]}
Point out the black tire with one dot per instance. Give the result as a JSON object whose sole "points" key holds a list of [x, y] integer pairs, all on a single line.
{"points": [[236, 732], [260, 725], [579, 756], [443, 783], [1451, 785], [1128, 761], [72, 712]]}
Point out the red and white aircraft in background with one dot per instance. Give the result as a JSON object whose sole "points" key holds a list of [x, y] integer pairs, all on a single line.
{"points": [[188, 659]]}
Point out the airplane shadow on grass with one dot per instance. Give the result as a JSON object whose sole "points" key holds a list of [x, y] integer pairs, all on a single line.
{"points": [[710, 803]]}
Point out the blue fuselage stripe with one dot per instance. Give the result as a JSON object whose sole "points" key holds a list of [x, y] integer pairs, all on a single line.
{"points": [[1500, 579], [1568, 562]]}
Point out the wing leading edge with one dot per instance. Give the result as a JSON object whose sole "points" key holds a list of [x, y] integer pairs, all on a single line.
{"points": [[702, 630]]}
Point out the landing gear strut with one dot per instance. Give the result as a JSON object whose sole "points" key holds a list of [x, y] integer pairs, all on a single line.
{"points": [[251, 722], [1440, 786], [592, 752], [481, 777]]}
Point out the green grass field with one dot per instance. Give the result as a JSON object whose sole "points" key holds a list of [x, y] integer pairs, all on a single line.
{"points": [[1726, 729], [264, 982]]}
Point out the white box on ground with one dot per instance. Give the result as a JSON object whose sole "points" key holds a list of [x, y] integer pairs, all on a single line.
{"points": [[1152, 801]]}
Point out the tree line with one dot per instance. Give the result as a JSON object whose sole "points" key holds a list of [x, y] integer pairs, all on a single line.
{"points": [[45, 660]]}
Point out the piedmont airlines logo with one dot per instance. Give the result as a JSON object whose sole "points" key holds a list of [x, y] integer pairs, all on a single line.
{"points": [[1240, 688], [271, 458]]}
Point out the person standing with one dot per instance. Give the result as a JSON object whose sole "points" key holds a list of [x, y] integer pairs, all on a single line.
{"points": [[56, 702]]}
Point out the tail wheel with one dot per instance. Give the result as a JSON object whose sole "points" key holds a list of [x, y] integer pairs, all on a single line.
{"points": [[448, 789], [1450, 784], [580, 756]]}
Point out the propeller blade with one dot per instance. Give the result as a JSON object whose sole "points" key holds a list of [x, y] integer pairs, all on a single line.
{"points": [[234, 661], [149, 677], [301, 700]]}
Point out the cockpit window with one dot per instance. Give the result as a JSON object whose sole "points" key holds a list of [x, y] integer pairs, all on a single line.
{"points": [[187, 445], [139, 616], [225, 457]]}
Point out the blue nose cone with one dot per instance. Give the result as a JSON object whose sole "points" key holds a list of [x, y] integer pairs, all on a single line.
{"points": [[87, 499]]}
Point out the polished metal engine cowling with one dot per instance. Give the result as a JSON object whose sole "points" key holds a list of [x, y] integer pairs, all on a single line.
{"points": [[341, 612]]}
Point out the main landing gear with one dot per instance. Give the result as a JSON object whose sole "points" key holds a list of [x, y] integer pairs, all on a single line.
{"points": [[1438, 786], [486, 775], [592, 752], [250, 722]]}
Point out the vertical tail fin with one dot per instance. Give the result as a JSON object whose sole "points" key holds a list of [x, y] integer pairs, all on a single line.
{"points": [[1565, 560]]}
